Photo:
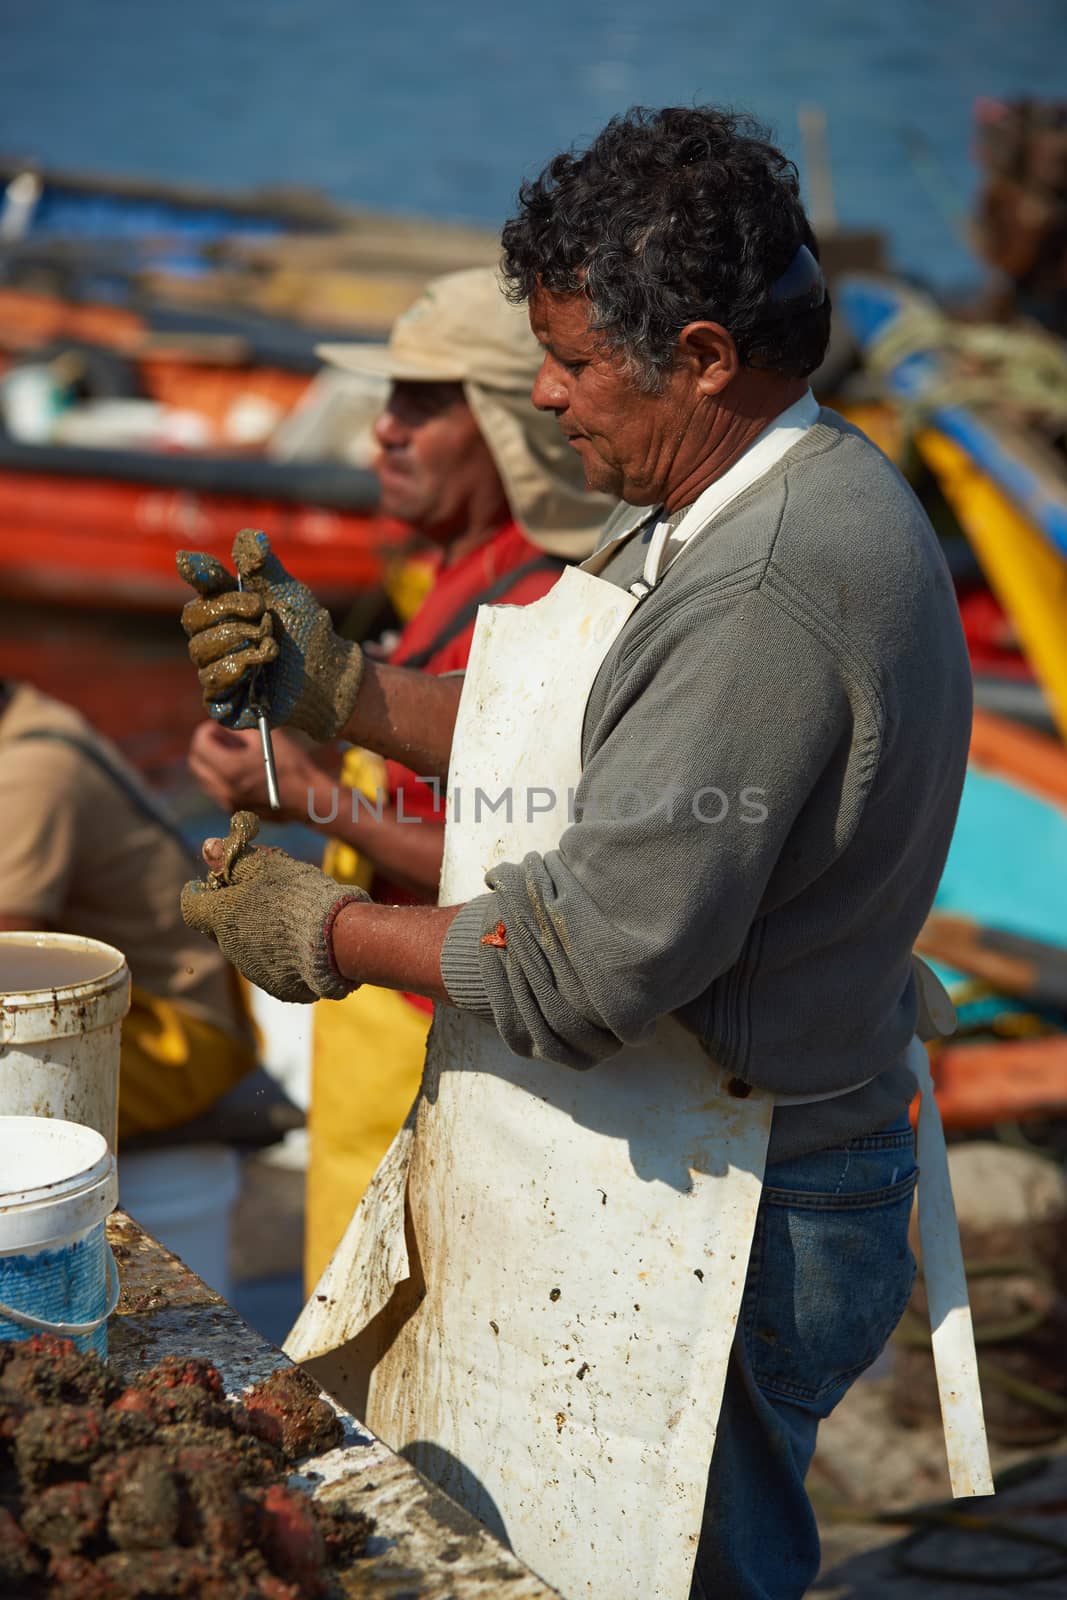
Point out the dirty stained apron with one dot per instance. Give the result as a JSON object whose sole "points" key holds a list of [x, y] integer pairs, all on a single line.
{"points": [[541, 1286]]}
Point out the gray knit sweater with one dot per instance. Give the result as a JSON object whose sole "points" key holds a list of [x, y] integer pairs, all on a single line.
{"points": [[792, 704]]}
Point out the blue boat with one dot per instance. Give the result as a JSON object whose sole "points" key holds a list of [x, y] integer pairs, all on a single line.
{"points": [[1018, 889], [173, 223], [1006, 485], [871, 304]]}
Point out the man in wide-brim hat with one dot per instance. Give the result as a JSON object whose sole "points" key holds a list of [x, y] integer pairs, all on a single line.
{"points": [[465, 459]]}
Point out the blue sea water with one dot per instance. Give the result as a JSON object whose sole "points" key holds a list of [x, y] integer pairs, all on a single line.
{"points": [[423, 107]]}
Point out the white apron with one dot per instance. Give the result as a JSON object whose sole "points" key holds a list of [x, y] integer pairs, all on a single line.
{"points": [[536, 1299]]}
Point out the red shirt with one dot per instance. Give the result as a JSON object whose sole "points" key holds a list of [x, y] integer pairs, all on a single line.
{"points": [[466, 582], [456, 587]]}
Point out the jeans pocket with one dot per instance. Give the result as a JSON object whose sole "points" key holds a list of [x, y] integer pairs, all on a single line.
{"points": [[830, 1276]]}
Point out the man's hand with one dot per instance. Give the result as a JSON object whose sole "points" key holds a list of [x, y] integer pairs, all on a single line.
{"points": [[273, 630], [272, 917], [228, 766]]}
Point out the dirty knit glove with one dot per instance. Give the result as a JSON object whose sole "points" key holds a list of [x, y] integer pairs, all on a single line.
{"points": [[270, 640], [272, 917]]}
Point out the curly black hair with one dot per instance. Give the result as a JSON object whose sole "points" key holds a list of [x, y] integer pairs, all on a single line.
{"points": [[669, 217]]}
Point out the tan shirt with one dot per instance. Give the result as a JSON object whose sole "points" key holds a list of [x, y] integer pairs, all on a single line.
{"points": [[78, 856]]}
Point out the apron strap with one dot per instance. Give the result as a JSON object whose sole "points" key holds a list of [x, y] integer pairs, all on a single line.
{"points": [[830, 1094], [952, 1331]]}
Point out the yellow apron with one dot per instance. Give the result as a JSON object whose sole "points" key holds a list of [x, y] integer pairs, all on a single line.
{"points": [[367, 1056]]}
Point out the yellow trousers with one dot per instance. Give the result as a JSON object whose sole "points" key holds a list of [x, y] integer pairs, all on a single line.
{"points": [[173, 1065], [366, 1066], [367, 1056]]}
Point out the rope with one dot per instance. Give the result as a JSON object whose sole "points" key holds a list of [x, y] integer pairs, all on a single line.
{"points": [[926, 1520], [1016, 370], [913, 1333], [905, 1559]]}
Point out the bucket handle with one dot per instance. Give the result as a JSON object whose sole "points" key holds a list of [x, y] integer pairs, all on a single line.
{"points": [[70, 1330]]}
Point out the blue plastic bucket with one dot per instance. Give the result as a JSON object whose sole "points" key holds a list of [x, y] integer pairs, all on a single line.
{"points": [[58, 1185]]}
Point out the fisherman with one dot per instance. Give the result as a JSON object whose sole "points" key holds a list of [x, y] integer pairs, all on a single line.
{"points": [[87, 848], [468, 463], [723, 760]]}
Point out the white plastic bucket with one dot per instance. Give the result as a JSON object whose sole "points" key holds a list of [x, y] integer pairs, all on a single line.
{"points": [[183, 1195], [62, 1001], [58, 1185]]}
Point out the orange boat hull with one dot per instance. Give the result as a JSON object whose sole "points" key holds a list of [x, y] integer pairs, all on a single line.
{"points": [[1017, 1080], [102, 542], [1013, 1080], [174, 370]]}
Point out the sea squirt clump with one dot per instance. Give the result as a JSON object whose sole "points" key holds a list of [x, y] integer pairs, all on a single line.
{"points": [[162, 1488]]}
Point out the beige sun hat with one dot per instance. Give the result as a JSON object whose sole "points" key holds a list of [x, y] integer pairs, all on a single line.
{"points": [[463, 330]]}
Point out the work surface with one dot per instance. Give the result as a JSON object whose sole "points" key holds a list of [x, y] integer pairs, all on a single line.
{"points": [[425, 1547]]}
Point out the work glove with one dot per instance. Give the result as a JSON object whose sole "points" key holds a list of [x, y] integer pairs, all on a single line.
{"points": [[266, 642], [272, 917]]}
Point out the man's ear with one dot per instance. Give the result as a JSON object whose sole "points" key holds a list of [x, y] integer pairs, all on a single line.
{"points": [[708, 350]]}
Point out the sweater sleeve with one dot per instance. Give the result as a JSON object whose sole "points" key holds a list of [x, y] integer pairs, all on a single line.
{"points": [[721, 730]]}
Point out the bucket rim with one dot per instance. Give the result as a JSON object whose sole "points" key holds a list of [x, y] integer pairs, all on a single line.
{"points": [[51, 1215], [101, 1162], [112, 974], [59, 1011]]}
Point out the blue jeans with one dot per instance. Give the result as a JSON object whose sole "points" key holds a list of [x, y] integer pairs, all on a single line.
{"points": [[829, 1277]]}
